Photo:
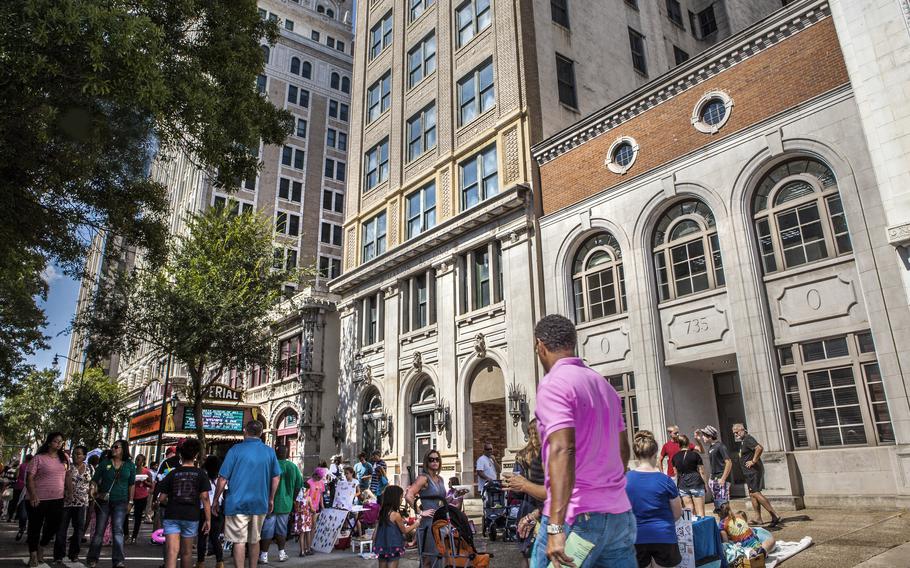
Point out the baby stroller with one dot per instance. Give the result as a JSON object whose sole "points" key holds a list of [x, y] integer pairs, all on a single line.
{"points": [[454, 541], [495, 511]]}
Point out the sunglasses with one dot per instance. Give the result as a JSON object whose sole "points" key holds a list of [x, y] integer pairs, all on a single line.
{"points": [[115, 447], [434, 459]]}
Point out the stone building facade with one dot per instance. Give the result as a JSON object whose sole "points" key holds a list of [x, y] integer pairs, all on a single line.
{"points": [[301, 187], [725, 241], [440, 290]]}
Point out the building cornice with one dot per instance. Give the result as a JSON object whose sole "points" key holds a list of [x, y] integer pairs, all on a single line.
{"points": [[513, 199], [736, 49]]}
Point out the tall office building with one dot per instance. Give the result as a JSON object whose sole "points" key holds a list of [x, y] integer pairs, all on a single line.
{"points": [[301, 188], [439, 289]]}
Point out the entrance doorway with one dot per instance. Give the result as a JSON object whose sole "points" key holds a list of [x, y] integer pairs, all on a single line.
{"points": [[422, 408], [488, 411], [730, 411]]}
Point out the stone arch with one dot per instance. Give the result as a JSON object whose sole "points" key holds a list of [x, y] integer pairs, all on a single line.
{"points": [[472, 369]]}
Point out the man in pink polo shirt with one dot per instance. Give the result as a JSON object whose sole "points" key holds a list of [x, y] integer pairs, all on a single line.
{"points": [[585, 452]]}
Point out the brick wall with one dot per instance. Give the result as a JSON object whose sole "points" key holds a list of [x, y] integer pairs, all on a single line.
{"points": [[795, 70], [489, 425]]}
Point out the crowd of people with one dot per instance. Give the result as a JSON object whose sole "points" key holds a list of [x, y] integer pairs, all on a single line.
{"points": [[580, 505]]}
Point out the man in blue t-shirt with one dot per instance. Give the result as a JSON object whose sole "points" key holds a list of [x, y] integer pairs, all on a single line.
{"points": [[252, 472]]}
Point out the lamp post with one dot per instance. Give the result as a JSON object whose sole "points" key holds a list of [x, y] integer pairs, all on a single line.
{"points": [[517, 402]]}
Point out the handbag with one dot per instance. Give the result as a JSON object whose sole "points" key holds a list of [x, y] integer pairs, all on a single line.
{"points": [[102, 498]]}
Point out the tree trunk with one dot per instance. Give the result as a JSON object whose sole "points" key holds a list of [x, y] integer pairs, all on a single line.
{"points": [[198, 399]]}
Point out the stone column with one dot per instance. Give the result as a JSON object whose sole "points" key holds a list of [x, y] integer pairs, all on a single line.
{"points": [[391, 380]]}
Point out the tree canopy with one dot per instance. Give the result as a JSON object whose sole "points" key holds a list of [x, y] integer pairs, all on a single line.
{"points": [[209, 305], [89, 93]]}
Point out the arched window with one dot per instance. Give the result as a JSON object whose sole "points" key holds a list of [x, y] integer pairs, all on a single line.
{"points": [[266, 52], [320, 9], [306, 70], [372, 414], [598, 282], [422, 406], [686, 250], [346, 85], [295, 65], [335, 81], [330, 13], [798, 215]]}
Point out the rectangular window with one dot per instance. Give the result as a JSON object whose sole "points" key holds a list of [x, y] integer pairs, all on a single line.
{"points": [[559, 12], [373, 237], [339, 45], [422, 131], [329, 171], [707, 24], [632, 4], [420, 303], [329, 267], [381, 36], [290, 190], [235, 207], [801, 235], [292, 157], [330, 234], [338, 110], [298, 96], [379, 97], [285, 258], [471, 18], [878, 404], [377, 164], [625, 387], [479, 178], [314, 35], [301, 128], [289, 350], [261, 83], [481, 273], [418, 7], [679, 55], [421, 210], [372, 319], [342, 141], [674, 12], [330, 41], [332, 200], [476, 93], [287, 223], [331, 136], [289, 25], [422, 60], [839, 225], [637, 45], [565, 79]]}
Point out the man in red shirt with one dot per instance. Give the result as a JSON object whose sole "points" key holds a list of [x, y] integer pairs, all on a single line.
{"points": [[670, 449]]}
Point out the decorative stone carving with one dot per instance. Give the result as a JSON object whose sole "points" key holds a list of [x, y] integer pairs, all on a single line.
{"points": [[807, 302], [697, 326], [607, 346], [444, 266], [480, 345], [445, 191], [905, 11], [512, 155], [899, 235], [417, 362]]}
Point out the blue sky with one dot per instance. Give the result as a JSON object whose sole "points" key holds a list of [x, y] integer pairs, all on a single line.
{"points": [[59, 307]]}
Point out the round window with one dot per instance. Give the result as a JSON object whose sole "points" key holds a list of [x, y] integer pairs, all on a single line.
{"points": [[623, 154], [713, 112]]}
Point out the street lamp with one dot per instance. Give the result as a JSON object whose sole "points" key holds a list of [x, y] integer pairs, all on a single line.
{"points": [[441, 416], [338, 430], [517, 402]]}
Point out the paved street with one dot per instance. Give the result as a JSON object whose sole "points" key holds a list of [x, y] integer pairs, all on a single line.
{"points": [[843, 538]]}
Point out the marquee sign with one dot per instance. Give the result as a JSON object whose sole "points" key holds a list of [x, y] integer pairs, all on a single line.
{"points": [[145, 423], [224, 392], [215, 419]]}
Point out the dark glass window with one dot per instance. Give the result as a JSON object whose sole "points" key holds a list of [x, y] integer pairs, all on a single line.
{"points": [[565, 79]]}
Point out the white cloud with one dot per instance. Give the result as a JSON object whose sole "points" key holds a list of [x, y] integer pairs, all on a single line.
{"points": [[50, 274]]}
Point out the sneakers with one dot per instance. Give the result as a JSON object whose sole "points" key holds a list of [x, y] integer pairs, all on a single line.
{"points": [[263, 557], [282, 556]]}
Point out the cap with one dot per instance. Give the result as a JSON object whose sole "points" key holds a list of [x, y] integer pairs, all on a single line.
{"points": [[170, 450], [710, 431]]}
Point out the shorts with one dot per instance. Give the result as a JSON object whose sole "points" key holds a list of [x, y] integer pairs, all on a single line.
{"points": [[243, 528], [721, 492], [666, 555], [275, 523], [186, 529], [698, 492], [755, 478]]}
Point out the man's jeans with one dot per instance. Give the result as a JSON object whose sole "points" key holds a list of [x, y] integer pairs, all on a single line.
{"points": [[116, 513], [613, 537]]}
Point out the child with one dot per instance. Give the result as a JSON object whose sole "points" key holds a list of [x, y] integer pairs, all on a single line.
{"points": [[181, 493], [734, 527], [306, 509], [455, 497], [388, 540]]}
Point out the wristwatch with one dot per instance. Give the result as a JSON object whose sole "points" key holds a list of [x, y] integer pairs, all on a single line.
{"points": [[555, 529]]}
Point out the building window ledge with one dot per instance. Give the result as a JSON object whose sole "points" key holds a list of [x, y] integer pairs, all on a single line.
{"points": [[487, 312], [418, 334], [692, 298]]}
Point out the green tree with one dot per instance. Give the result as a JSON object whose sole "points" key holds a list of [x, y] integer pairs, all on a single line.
{"points": [[26, 412], [90, 405], [89, 92], [209, 305]]}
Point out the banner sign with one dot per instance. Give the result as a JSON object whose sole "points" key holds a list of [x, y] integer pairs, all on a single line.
{"points": [[145, 423], [220, 419]]}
